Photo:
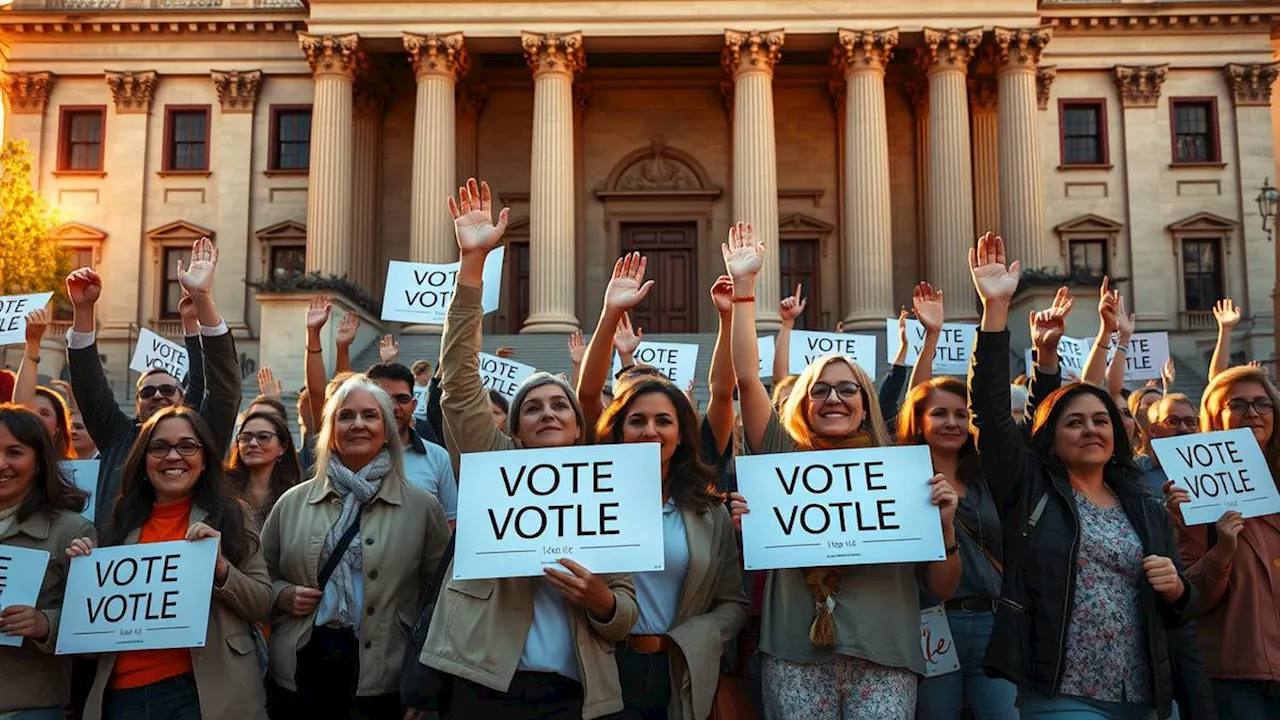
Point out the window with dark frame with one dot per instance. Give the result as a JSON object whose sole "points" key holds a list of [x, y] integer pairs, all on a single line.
{"points": [[1195, 131], [517, 309], [81, 140], [1201, 273], [291, 149], [188, 140], [798, 262], [1083, 134], [77, 257], [1088, 257], [171, 289], [288, 260]]}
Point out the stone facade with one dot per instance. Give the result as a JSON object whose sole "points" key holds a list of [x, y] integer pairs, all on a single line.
{"points": [[868, 151]]}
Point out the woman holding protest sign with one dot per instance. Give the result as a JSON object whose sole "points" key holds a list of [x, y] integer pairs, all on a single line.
{"points": [[517, 647], [858, 654], [1233, 563], [46, 403], [172, 488], [39, 510], [263, 463], [350, 553], [1092, 620]]}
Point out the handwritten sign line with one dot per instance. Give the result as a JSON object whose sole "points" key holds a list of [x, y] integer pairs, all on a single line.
{"points": [[610, 547], [504, 552]]}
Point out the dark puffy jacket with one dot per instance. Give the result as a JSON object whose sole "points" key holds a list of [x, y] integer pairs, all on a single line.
{"points": [[1041, 534]]}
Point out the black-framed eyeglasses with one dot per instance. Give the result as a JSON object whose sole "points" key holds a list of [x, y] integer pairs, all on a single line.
{"points": [[846, 390], [147, 392], [263, 438], [1262, 406], [402, 398], [185, 448], [1173, 423]]}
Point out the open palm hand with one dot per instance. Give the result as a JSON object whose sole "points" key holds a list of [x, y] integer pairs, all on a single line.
{"points": [[197, 279], [473, 219], [627, 288], [743, 256], [993, 279]]}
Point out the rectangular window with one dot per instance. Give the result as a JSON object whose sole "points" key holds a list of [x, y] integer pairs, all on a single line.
{"points": [[798, 261], [291, 138], [80, 139], [171, 289], [288, 260], [186, 139], [1084, 132], [1088, 257], [1195, 130], [1201, 273], [518, 284]]}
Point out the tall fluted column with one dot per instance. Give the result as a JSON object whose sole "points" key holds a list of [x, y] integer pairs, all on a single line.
{"points": [[471, 101], [749, 57], [554, 59], [867, 231], [1021, 185], [438, 62], [918, 95], [986, 154], [369, 106], [948, 53], [334, 60]]}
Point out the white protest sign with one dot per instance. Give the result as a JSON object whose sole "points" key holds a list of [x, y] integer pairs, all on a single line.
{"points": [[939, 648], [764, 348], [1145, 355], [1072, 355], [839, 507], [84, 475], [1221, 471], [150, 596], [21, 575], [153, 351], [13, 315], [520, 511], [420, 292], [952, 354], [676, 361], [422, 395], [503, 375], [807, 346]]}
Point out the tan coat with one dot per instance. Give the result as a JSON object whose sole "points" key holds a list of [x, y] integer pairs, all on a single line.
{"points": [[403, 535], [31, 676], [228, 675], [480, 626]]}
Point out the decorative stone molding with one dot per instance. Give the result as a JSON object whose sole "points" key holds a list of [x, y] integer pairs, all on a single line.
{"points": [[1250, 84], [917, 90], [581, 97], [369, 95], [471, 99], [554, 52], [658, 169], [28, 93], [332, 54], [984, 92], [950, 49], [237, 91], [132, 92], [1044, 82], [726, 98], [1139, 86], [839, 92], [1021, 47], [867, 48], [76, 24], [751, 51], [434, 54]]}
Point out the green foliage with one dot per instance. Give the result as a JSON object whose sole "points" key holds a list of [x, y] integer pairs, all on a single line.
{"points": [[314, 282], [30, 261]]}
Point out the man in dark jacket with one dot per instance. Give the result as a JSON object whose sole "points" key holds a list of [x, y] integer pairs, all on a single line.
{"points": [[112, 430]]}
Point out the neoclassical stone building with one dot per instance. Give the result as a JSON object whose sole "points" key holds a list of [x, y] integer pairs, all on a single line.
{"points": [[868, 142]]}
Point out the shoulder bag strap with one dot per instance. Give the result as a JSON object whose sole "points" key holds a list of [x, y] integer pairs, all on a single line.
{"points": [[999, 566], [339, 550]]}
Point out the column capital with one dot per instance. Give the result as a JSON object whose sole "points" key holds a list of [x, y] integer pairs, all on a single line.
{"points": [[984, 93], [332, 54], [439, 55], [369, 96], [950, 49], [864, 48], [1139, 86], [554, 52], [132, 92], [28, 92], [751, 51], [1250, 84], [581, 97], [1045, 75], [1019, 48], [917, 90], [237, 90]]}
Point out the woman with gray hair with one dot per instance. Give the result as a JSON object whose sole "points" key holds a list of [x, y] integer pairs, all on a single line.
{"points": [[349, 552]]}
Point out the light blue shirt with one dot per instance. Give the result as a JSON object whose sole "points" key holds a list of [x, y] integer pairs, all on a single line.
{"points": [[658, 593], [427, 466], [327, 610], [549, 647]]}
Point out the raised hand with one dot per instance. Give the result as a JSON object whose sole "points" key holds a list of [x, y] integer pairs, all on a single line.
{"points": [[348, 326], [994, 281], [1168, 374], [187, 310], [743, 256], [197, 278], [902, 328], [505, 352], [722, 294], [37, 323], [1125, 321], [1226, 313], [577, 347], [388, 349], [268, 384], [840, 326], [1047, 326], [627, 288], [473, 219], [626, 339], [928, 307], [84, 287], [791, 307], [318, 313], [1108, 305]]}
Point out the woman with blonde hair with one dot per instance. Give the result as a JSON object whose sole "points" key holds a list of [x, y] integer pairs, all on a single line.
{"points": [[857, 654]]}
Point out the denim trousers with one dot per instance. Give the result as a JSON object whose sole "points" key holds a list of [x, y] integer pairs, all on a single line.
{"points": [[943, 696], [174, 698], [646, 683], [1247, 699], [1034, 706]]}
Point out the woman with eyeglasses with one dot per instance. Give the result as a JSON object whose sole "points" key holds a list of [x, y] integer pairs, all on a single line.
{"points": [[172, 488], [1235, 562], [837, 642], [263, 463], [1172, 415]]}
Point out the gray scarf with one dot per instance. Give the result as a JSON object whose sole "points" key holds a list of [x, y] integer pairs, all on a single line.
{"points": [[355, 489]]}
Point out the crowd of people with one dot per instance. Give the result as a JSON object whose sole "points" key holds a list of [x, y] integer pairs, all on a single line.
{"points": [[1072, 586]]}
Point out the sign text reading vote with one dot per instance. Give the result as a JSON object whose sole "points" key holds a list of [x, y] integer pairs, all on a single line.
{"points": [[1220, 471]]}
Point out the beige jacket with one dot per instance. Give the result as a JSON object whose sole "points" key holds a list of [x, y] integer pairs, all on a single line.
{"points": [[228, 675], [480, 626], [403, 535], [31, 676]]}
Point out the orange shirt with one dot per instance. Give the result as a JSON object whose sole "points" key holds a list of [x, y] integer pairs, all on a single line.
{"points": [[139, 668]]}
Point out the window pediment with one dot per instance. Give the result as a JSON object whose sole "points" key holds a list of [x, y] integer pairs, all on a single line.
{"points": [[289, 230], [179, 231], [1205, 222], [1090, 224]]}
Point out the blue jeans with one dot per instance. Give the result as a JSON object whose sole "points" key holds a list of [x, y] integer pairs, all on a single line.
{"points": [[174, 698], [54, 713], [1247, 699], [1034, 706], [646, 683], [942, 697]]}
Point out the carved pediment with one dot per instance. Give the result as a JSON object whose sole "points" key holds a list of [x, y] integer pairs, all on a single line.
{"points": [[74, 233], [801, 224], [282, 231], [179, 230], [1090, 224], [658, 169], [1203, 222], [519, 227]]}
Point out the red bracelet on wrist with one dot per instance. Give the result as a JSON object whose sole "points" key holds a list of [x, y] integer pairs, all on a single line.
{"points": [[744, 298]]}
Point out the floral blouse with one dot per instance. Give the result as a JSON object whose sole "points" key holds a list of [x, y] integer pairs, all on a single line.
{"points": [[1106, 656]]}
